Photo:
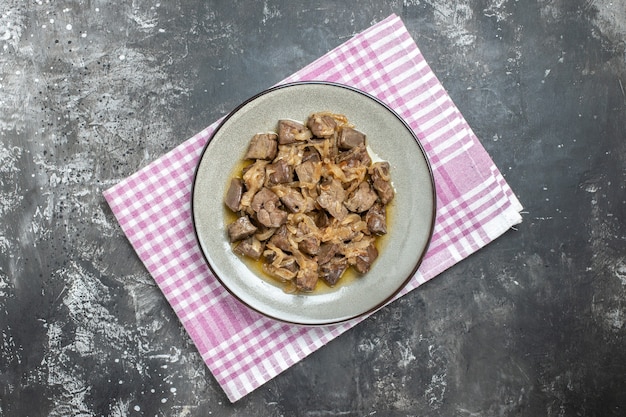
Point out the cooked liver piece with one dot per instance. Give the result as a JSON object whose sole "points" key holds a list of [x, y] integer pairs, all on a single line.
{"points": [[280, 239], [279, 172], [263, 146], [321, 219], [354, 157], [321, 125], [271, 216], [306, 278], [266, 206], [233, 196], [311, 154], [251, 247], [350, 138], [290, 264], [291, 198], [362, 198], [241, 229], [379, 172], [290, 131], [261, 197], [376, 219], [326, 252], [364, 260], [309, 245], [309, 172], [331, 198], [333, 270]]}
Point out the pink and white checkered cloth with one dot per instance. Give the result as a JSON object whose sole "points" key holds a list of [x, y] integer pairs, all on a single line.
{"points": [[243, 349]]}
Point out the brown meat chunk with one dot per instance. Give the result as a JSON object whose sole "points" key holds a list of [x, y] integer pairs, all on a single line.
{"points": [[250, 247], [289, 263], [354, 157], [290, 131], [331, 198], [262, 146], [311, 154], [376, 219], [362, 198], [309, 172], [265, 203], [271, 216], [292, 199], [241, 229], [326, 252], [309, 245], [321, 125], [280, 239], [233, 195], [365, 259], [306, 278], [350, 138], [279, 172], [263, 196], [333, 270], [381, 180], [321, 219]]}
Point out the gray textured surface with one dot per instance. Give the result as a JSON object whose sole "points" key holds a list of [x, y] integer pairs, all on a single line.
{"points": [[534, 324]]}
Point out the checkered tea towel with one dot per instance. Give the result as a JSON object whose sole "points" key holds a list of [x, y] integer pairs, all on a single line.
{"points": [[243, 349]]}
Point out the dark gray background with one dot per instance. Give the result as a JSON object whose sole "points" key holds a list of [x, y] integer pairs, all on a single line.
{"points": [[532, 325]]}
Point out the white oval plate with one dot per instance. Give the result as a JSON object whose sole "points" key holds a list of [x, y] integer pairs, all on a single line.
{"points": [[409, 227]]}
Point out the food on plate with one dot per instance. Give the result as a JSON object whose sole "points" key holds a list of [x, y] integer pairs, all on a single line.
{"points": [[310, 202]]}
